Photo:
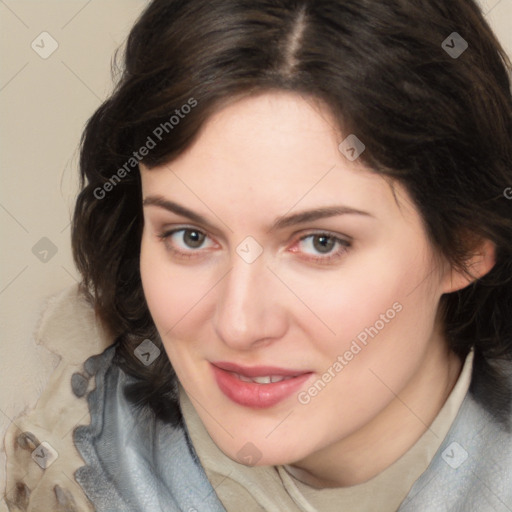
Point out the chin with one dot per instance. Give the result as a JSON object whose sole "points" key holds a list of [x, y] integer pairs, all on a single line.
{"points": [[257, 454]]}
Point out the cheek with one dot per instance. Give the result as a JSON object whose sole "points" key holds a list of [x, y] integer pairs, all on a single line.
{"points": [[364, 293], [381, 314]]}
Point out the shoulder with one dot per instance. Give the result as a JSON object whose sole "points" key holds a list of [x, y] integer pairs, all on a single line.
{"points": [[133, 460], [41, 457], [84, 446], [472, 469]]}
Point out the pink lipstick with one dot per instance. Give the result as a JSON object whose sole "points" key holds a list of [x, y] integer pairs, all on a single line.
{"points": [[257, 387]]}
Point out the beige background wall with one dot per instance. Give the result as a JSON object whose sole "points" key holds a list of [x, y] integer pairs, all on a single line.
{"points": [[44, 103]]}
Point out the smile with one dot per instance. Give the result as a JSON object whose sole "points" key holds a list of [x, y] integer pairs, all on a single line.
{"points": [[257, 387]]}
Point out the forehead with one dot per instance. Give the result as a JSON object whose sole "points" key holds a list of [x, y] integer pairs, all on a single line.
{"points": [[270, 153]]}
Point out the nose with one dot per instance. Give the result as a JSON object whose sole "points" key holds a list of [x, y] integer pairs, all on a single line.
{"points": [[250, 310]]}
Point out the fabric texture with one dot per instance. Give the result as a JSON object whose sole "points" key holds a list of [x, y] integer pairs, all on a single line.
{"points": [[68, 328], [84, 447]]}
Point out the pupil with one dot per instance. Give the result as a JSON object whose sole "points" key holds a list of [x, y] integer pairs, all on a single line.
{"points": [[193, 238], [323, 244]]}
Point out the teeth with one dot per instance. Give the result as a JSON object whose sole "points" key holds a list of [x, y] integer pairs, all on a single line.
{"points": [[243, 378], [262, 380]]}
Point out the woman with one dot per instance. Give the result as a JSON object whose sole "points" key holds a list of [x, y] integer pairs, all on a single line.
{"points": [[295, 229]]}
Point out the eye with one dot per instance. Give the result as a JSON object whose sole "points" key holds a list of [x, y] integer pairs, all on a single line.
{"points": [[322, 247], [186, 241]]}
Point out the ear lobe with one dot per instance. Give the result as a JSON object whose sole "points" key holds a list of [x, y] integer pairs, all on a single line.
{"points": [[480, 263]]}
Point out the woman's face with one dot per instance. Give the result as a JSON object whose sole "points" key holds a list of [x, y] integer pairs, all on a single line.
{"points": [[267, 252]]}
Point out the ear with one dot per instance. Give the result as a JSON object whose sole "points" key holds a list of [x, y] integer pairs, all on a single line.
{"points": [[478, 264]]}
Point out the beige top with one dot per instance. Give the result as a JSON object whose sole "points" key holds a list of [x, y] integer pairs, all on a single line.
{"points": [[273, 489], [68, 328]]}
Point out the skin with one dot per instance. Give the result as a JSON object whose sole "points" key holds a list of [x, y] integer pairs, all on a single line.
{"points": [[256, 160]]}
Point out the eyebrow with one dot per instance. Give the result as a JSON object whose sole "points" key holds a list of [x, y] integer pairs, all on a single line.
{"points": [[280, 223]]}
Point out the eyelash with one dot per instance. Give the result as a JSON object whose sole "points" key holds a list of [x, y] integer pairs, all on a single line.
{"points": [[335, 255]]}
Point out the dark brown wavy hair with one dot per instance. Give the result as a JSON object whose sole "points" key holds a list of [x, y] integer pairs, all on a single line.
{"points": [[438, 123]]}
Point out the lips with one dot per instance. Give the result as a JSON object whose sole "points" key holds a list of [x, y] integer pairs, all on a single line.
{"points": [[258, 386]]}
